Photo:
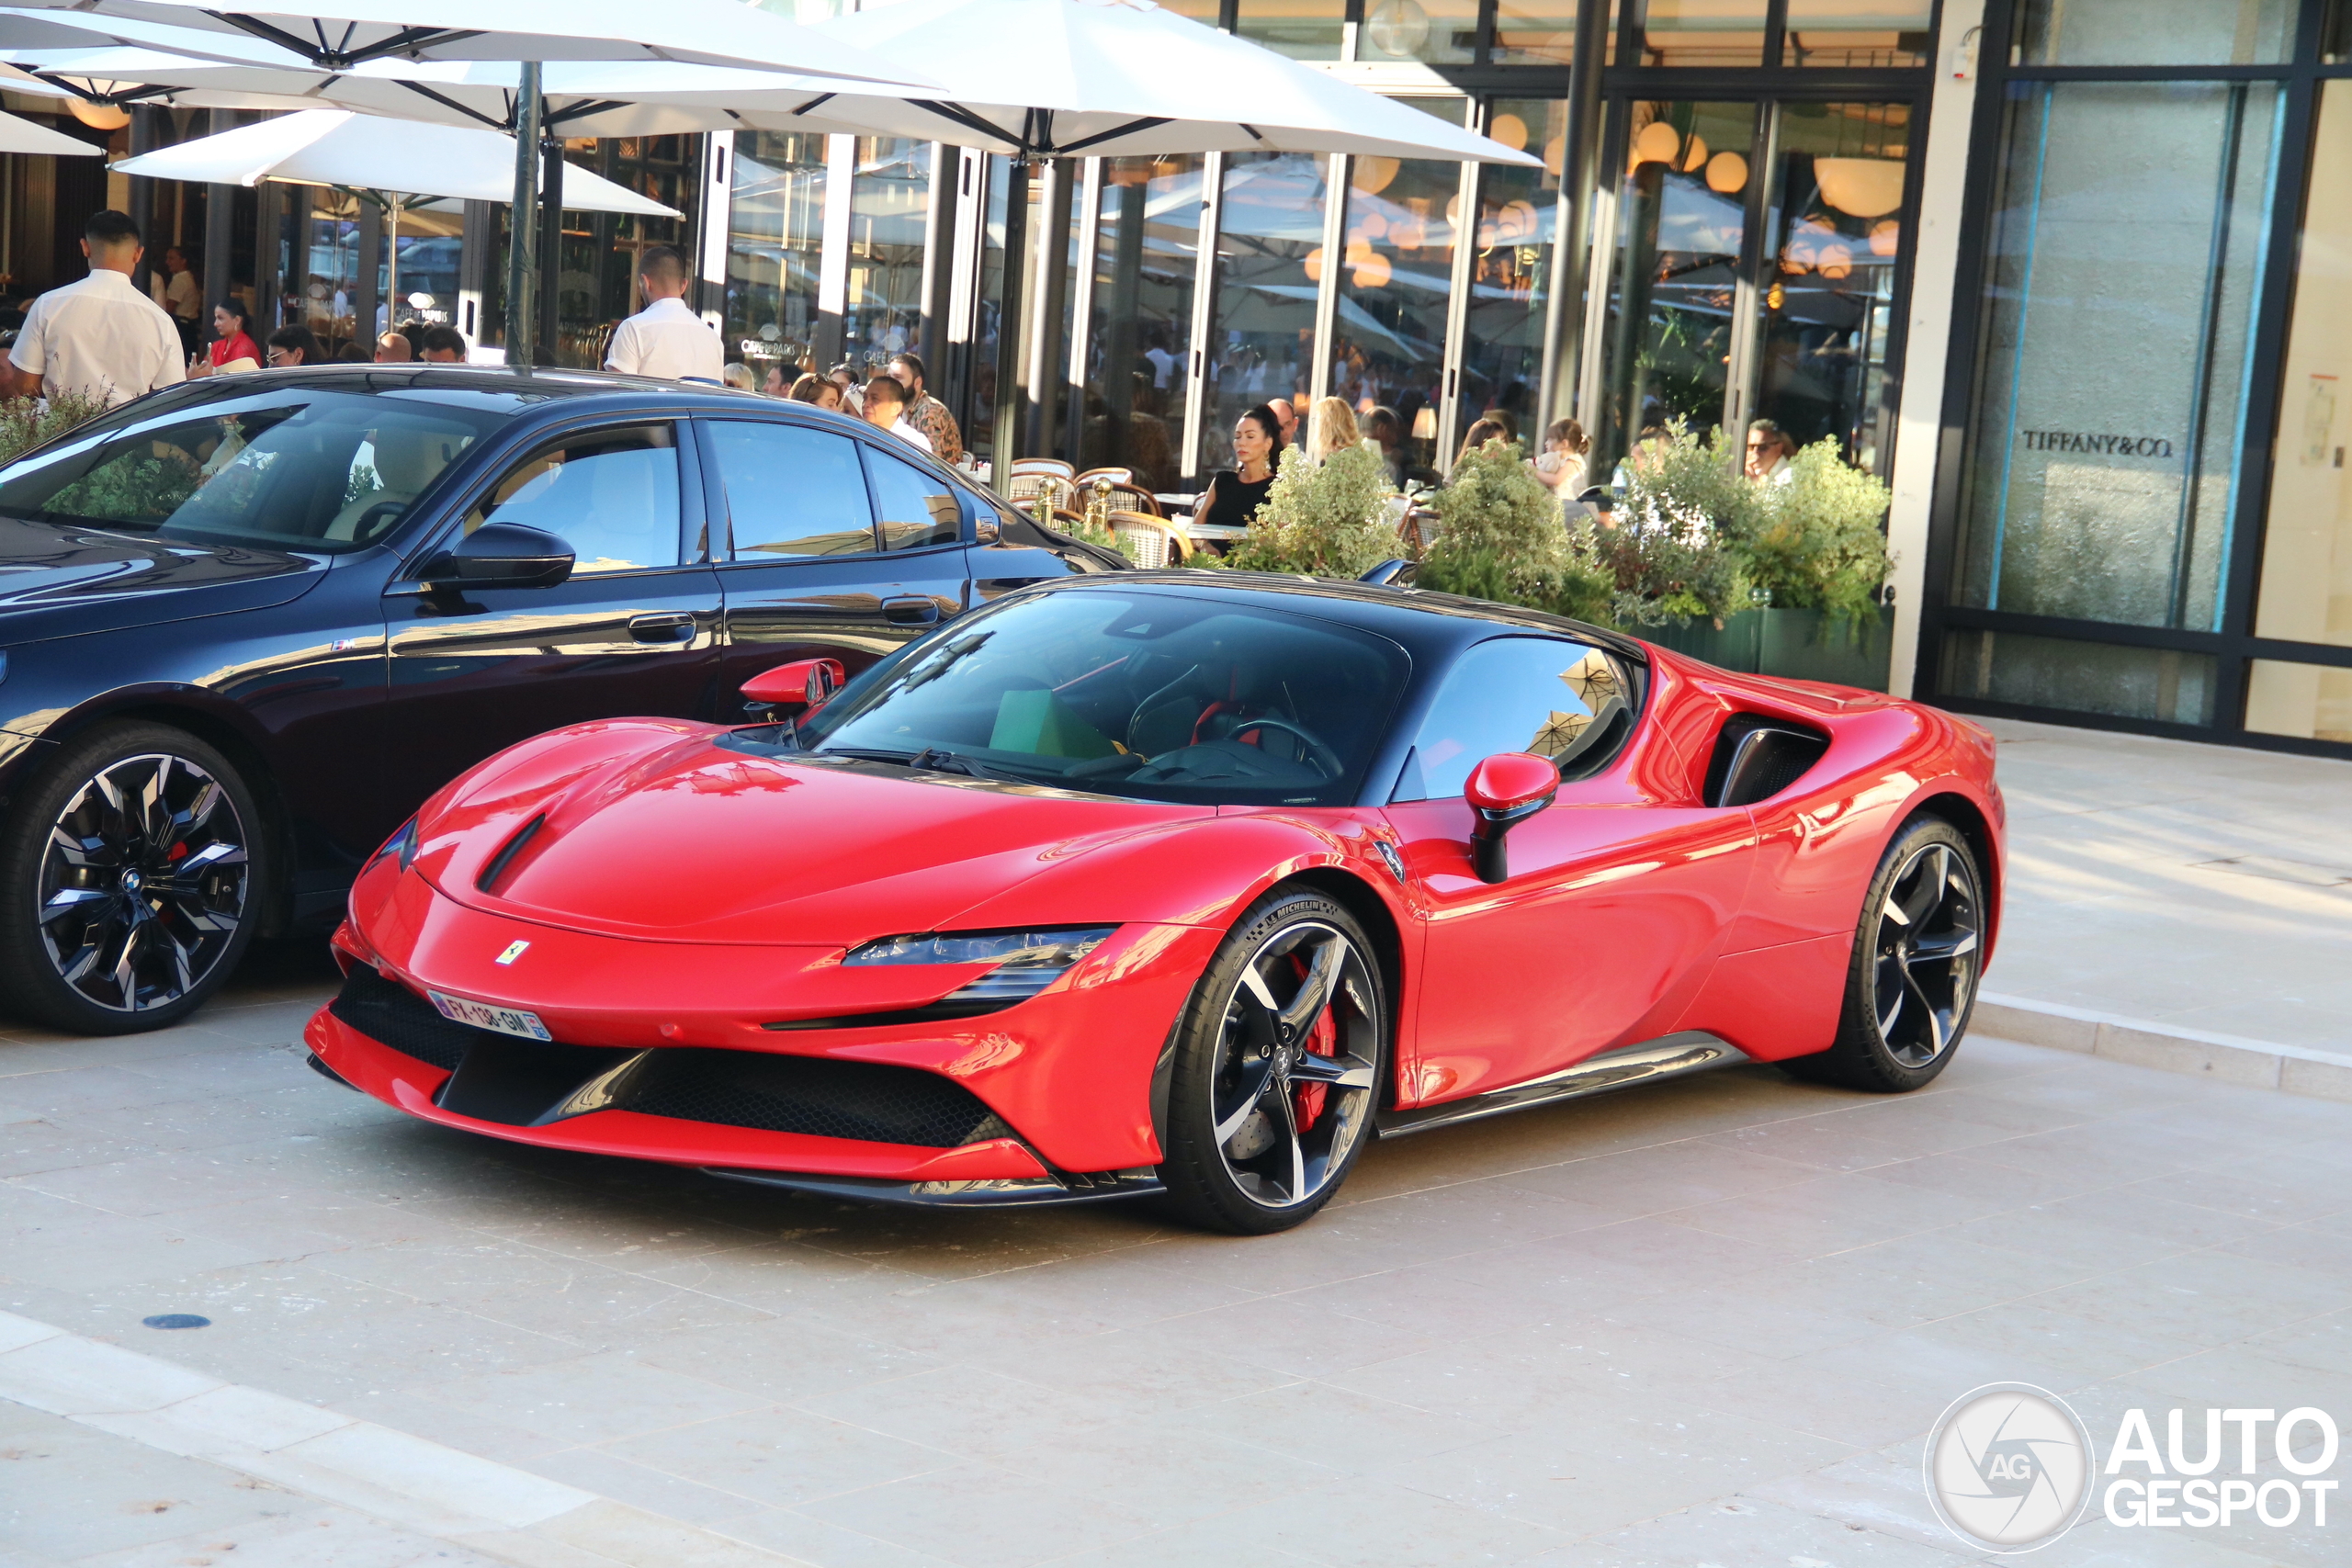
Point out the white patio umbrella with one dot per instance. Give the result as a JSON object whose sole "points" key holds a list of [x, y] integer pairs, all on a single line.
{"points": [[23, 136], [339, 36], [393, 159], [1070, 78]]}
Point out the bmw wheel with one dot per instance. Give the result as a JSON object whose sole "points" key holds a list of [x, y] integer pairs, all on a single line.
{"points": [[129, 881], [1277, 1068], [1912, 980]]}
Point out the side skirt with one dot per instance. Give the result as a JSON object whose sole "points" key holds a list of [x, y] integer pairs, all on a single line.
{"points": [[1670, 1056], [1009, 1192]]}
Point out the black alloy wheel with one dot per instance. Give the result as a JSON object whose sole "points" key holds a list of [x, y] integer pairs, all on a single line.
{"points": [[1917, 953], [128, 881], [1277, 1069]]}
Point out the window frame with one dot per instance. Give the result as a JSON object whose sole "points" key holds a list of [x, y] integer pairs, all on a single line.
{"points": [[1407, 759], [870, 451], [495, 465], [715, 486]]}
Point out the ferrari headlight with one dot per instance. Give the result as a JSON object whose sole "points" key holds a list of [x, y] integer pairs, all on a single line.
{"points": [[1025, 962]]}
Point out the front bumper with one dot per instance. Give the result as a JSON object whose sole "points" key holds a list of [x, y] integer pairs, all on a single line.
{"points": [[669, 1054]]}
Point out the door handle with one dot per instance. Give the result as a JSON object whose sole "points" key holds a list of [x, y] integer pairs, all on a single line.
{"points": [[914, 610], [676, 626]]}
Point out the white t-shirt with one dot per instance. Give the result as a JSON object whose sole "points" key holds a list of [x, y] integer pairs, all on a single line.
{"points": [[179, 294], [909, 434], [665, 339], [100, 335]]}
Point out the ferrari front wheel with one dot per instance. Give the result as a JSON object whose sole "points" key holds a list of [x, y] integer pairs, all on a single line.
{"points": [[1277, 1068], [1912, 980]]}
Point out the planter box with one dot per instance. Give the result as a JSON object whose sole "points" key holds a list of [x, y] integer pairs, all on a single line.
{"points": [[1799, 644]]}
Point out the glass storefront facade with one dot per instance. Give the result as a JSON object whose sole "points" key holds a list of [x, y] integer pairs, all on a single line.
{"points": [[2133, 505], [2148, 524]]}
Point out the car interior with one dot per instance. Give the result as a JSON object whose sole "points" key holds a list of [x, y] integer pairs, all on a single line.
{"points": [[1161, 697]]}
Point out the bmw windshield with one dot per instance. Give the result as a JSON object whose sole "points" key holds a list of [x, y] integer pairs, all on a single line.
{"points": [[1156, 694]]}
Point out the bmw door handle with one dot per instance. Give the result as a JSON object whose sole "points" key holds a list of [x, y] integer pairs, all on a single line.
{"points": [[914, 610], [671, 628]]}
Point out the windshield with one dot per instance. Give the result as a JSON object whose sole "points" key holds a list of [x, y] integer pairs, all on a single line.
{"points": [[1159, 695], [302, 468]]}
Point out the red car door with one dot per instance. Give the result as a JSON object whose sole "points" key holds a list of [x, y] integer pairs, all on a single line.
{"points": [[1618, 897]]}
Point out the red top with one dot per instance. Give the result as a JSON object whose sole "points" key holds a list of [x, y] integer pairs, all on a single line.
{"points": [[236, 345]]}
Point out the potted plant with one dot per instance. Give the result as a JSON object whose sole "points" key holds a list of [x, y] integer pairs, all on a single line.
{"points": [[1321, 520], [1499, 537]]}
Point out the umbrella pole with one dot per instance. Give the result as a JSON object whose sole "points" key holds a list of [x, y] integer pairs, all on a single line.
{"points": [[1004, 440], [550, 257], [392, 263], [522, 219]]}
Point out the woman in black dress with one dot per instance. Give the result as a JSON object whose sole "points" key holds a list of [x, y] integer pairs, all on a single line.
{"points": [[1232, 497]]}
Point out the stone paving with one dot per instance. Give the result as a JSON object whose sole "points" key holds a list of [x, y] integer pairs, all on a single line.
{"points": [[2201, 887], [1703, 1322]]}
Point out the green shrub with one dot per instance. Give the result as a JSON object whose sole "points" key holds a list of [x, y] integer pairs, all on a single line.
{"points": [[1321, 520], [1499, 537], [1814, 543], [1667, 548], [27, 423]]}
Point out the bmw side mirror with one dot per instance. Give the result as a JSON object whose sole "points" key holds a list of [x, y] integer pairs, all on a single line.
{"points": [[794, 688], [1504, 791], [1600, 498], [501, 555]]}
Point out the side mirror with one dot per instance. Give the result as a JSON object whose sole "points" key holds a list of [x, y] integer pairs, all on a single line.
{"points": [[1504, 791], [1600, 498], [804, 684], [501, 555]]}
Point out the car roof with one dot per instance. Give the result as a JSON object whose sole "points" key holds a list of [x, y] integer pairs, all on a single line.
{"points": [[537, 385], [1416, 618]]}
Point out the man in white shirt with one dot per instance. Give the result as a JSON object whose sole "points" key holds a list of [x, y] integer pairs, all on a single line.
{"points": [[885, 407], [666, 339], [178, 293], [99, 337]]}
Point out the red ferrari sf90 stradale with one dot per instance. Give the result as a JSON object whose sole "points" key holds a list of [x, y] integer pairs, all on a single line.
{"points": [[1170, 883]]}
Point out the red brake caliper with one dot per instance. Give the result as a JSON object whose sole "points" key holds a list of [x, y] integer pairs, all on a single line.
{"points": [[1323, 1038]]}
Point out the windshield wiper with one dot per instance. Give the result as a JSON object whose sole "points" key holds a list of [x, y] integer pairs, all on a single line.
{"points": [[929, 759]]}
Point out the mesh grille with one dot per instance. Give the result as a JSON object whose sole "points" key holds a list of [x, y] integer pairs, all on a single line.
{"points": [[870, 1101], [392, 1015]]}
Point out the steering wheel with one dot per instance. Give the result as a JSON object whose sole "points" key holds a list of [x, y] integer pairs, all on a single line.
{"points": [[1322, 756], [364, 526]]}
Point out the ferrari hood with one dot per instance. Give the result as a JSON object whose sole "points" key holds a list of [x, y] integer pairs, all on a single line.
{"points": [[694, 842]]}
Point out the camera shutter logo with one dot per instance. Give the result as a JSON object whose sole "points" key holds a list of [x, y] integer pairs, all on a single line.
{"points": [[2009, 1467]]}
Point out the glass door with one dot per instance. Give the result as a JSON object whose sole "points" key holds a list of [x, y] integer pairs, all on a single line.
{"points": [[1753, 264], [1679, 266]]}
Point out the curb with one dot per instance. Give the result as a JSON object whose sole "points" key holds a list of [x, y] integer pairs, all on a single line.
{"points": [[2228, 1058]]}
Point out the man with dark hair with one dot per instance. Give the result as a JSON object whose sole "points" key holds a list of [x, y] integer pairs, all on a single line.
{"points": [[884, 407], [442, 345], [99, 337], [926, 413], [290, 346], [177, 291], [665, 339]]}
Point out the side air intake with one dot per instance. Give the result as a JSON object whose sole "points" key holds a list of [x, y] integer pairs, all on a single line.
{"points": [[1756, 758]]}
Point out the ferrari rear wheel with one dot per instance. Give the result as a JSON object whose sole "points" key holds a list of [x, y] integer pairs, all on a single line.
{"points": [[1917, 953], [1277, 1070]]}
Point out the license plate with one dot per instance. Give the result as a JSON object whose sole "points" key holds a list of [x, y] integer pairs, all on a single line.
{"points": [[482, 1015]]}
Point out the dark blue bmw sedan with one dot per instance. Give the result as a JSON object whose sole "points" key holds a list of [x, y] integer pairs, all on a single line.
{"points": [[250, 622]]}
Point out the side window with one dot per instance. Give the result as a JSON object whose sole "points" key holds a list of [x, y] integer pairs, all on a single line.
{"points": [[791, 491], [611, 494], [1554, 699], [913, 508]]}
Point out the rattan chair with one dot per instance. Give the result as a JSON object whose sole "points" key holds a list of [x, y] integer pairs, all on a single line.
{"points": [[1023, 488], [1053, 465], [1152, 541], [1117, 476]]}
